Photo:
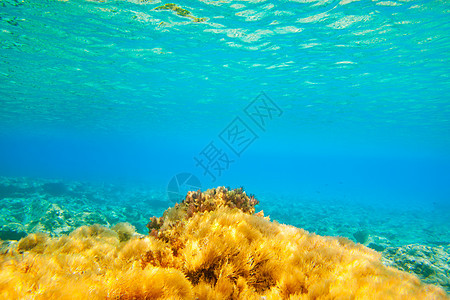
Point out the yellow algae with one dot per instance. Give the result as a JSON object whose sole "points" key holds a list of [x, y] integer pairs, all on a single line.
{"points": [[210, 246]]}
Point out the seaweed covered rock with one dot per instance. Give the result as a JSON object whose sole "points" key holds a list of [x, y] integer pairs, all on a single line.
{"points": [[199, 202], [210, 246]]}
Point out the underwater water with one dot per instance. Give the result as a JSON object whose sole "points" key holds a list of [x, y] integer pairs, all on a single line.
{"points": [[335, 114]]}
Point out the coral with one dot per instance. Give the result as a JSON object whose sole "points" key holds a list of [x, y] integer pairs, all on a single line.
{"points": [[210, 246]]}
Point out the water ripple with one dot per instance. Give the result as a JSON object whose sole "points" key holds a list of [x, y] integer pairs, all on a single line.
{"points": [[77, 59]]}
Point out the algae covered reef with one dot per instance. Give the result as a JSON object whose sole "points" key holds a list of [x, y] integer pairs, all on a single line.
{"points": [[210, 246]]}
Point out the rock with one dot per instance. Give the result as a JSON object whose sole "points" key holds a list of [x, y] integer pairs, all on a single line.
{"points": [[11, 191], [376, 247], [361, 236], [55, 220], [12, 231], [431, 264], [55, 188]]}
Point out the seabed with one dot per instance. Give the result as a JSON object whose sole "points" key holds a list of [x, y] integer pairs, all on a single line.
{"points": [[69, 241]]}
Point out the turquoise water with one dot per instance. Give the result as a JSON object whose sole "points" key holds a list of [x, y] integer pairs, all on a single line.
{"points": [[118, 90], [353, 96]]}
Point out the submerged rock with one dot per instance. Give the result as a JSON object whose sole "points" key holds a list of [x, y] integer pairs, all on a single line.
{"points": [[13, 191], [55, 188], [12, 231], [431, 264], [56, 208], [361, 236]]}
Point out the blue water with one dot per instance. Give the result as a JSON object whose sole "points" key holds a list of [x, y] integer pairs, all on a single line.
{"points": [[116, 91]]}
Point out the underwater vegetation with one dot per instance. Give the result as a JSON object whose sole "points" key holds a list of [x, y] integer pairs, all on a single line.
{"points": [[210, 246], [180, 12]]}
